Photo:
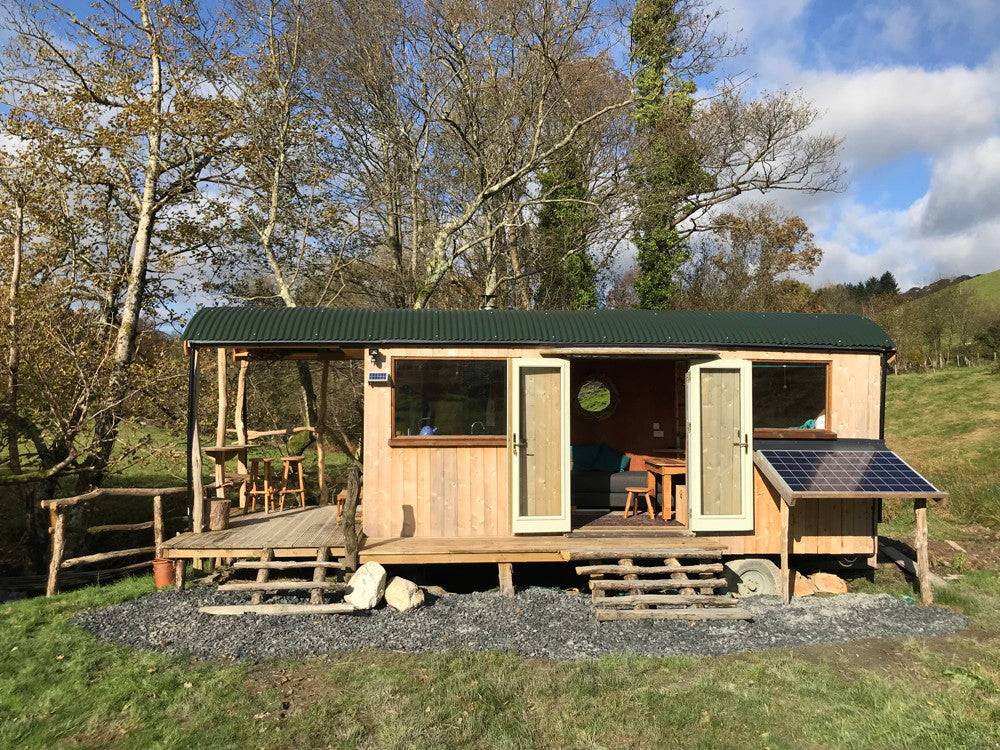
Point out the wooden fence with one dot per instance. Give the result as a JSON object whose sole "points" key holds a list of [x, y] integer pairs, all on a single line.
{"points": [[58, 507]]}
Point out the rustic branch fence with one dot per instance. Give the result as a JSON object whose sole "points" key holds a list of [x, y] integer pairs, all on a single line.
{"points": [[58, 508]]}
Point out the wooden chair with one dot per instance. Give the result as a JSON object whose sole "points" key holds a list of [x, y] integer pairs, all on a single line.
{"points": [[292, 467], [648, 491], [261, 484]]}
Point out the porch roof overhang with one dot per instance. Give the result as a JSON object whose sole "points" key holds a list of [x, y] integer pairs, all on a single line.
{"points": [[702, 332]]}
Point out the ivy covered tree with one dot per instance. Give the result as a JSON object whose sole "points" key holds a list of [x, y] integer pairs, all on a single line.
{"points": [[666, 161], [569, 276]]}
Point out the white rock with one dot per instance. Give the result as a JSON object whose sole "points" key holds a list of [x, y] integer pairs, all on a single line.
{"points": [[366, 586], [402, 594]]}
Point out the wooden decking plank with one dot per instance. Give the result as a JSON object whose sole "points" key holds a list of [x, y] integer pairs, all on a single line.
{"points": [[672, 614], [278, 609]]}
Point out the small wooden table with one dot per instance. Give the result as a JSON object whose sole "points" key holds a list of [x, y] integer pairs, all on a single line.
{"points": [[667, 467], [223, 453]]}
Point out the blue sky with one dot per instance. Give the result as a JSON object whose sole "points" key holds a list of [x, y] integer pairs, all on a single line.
{"points": [[913, 88]]}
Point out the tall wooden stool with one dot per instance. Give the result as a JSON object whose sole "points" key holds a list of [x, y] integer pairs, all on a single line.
{"points": [[261, 484], [648, 491], [292, 465]]}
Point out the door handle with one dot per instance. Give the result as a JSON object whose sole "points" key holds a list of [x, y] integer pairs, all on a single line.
{"points": [[515, 444]]}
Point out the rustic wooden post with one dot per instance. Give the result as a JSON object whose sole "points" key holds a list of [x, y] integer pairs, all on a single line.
{"points": [[786, 543], [324, 492], [348, 522], [506, 574], [180, 570], [158, 524], [220, 422], [57, 528], [197, 483], [923, 561], [240, 422]]}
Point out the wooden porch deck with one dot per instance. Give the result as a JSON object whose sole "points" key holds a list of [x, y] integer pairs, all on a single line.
{"points": [[301, 533]]}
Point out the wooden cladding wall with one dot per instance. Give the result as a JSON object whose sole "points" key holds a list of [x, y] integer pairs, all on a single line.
{"points": [[459, 491], [465, 491]]}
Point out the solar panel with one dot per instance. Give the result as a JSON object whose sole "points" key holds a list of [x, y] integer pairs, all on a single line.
{"points": [[863, 471]]}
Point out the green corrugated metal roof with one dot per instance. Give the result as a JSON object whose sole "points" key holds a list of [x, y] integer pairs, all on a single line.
{"points": [[308, 326]]}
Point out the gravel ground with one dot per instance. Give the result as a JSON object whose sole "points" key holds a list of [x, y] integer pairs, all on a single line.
{"points": [[539, 622]]}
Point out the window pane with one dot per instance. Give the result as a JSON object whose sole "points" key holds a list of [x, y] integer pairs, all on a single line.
{"points": [[450, 397], [789, 395]]}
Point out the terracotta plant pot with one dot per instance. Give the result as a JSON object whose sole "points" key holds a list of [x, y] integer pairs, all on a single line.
{"points": [[163, 572]]}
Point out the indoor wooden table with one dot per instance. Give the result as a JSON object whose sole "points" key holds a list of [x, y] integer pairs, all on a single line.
{"points": [[666, 468]]}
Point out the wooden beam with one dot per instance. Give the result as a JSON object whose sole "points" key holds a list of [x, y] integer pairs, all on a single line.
{"points": [[142, 526], [278, 609], [786, 543], [102, 556], [612, 552], [197, 483], [220, 419], [666, 599], [57, 528], [506, 574], [240, 423], [923, 561], [585, 570], [672, 614], [158, 523], [324, 381], [645, 584], [772, 476]]}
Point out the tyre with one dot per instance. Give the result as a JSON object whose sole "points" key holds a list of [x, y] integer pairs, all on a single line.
{"points": [[753, 576]]}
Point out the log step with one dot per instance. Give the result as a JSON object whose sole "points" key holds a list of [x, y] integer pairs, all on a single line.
{"points": [[279, 609], [648, 570], [605, 615], [282, 586], [630, 600], [286, 564], [646, 584], [639, 553]]}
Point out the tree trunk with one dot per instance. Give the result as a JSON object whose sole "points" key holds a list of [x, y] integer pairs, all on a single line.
{"points": [[14, 351], [107, 426]]}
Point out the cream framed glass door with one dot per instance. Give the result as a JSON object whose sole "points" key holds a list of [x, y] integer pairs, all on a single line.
{"points": [[719, 447], [540, 450]]}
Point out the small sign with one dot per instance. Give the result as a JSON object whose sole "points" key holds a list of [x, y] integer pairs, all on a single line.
{"points": [[378, 378]]}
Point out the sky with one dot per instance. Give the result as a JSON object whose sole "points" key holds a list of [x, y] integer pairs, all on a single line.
{"points": [[913, 89]]}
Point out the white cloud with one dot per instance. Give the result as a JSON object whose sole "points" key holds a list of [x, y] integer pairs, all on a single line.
{"points": [[964, 190], [883, 114]]}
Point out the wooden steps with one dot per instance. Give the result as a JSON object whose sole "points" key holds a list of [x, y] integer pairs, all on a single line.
{"points": [[318, 587], [678, 584], [283, 586], [286, 564], [278, 609]]}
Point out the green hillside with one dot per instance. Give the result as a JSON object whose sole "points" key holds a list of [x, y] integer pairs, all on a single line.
{"points": [[985, 289]]}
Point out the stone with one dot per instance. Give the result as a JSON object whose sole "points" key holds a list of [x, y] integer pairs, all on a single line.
{"points": [[436, 591], [366, 587], [829, 583], [403, 595], [802, 585]]}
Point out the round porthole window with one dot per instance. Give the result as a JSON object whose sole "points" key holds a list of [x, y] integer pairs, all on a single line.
{"points": [[596, 398]]}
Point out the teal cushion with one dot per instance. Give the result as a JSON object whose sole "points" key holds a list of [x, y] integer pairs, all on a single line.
{"points": [[608, 459], [584, 456], [623, 464]]}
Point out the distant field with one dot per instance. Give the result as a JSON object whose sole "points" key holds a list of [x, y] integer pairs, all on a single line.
{"points": [[985, 289]]}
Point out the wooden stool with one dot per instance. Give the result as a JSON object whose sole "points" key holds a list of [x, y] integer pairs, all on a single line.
{"points": [[292, 464], [341, 500], [648, 491], [261, 484]]}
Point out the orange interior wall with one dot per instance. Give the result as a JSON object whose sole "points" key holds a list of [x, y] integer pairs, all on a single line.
{"points": [[646, 394]]}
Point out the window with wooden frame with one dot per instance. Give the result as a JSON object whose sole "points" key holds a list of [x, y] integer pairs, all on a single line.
{"points": [[449, 402], [791, 399]]}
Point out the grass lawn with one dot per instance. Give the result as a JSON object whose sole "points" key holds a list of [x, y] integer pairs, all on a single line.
{"points": [[59, 687]]}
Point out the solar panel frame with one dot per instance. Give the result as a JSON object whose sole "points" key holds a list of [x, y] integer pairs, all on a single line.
{"points": [[847, 473]]}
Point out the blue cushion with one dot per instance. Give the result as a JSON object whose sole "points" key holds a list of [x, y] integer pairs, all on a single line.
{"points": [[623, 464]]}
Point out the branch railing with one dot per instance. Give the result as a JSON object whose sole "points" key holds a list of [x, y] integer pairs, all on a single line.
{"points": [[58, 508]]}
